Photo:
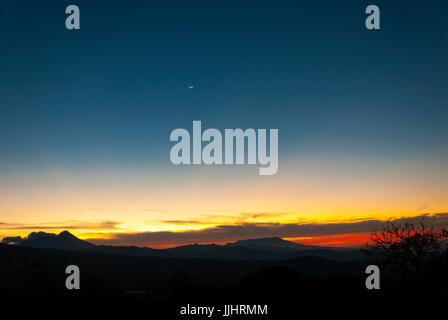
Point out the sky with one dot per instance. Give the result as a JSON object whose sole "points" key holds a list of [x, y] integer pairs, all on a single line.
{"points": [[86, 115]]}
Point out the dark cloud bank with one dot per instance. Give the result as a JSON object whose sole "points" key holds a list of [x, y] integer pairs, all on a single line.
{"points": [[224, 233]]}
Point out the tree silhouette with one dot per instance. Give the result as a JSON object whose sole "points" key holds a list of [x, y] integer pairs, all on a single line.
{"points": [[418, 254]]}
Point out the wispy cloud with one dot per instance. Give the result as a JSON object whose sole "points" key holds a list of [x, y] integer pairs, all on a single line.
{"points": [[72, 225], [224, 219], [184, 222]]}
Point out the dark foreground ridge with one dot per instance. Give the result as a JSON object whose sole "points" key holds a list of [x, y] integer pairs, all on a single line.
{"points": [[251, 249], [159, 282]]}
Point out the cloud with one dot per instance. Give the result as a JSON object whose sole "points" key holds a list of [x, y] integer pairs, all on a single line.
{"points": [[261, 214], [73, 225], [225, 233], [424, 207], [183, 222], [219, 219]]}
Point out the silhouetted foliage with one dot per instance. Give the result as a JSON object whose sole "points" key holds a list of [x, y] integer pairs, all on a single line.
{"points": [[407, 246], [415, 254]]}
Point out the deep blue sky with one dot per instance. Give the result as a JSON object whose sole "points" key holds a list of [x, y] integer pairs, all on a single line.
{"points": [[110, 93]]}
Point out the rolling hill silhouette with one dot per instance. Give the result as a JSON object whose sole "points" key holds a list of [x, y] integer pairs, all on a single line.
{"points": [[271, 243], [269, 270], [251, 249]]}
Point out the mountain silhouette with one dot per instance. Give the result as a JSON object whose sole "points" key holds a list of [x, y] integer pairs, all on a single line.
{"points": [[274, 243], [274, 248], [64, 240]]}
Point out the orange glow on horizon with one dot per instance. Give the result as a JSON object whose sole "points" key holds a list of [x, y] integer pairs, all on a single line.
{"points": [[340, 240], [100, 203]]}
